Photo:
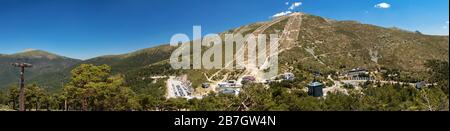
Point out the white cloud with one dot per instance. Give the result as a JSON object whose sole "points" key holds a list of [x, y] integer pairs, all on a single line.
{"points": [[295, 5], [383, 5], [282, 13]]}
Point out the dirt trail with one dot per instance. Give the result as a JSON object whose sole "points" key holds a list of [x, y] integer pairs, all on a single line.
{"points": [[259, 30], [291, 31], [287, 40], [263, 28]]}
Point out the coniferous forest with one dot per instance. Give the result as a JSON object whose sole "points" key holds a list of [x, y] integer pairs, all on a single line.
{"points": [[94, 88]]}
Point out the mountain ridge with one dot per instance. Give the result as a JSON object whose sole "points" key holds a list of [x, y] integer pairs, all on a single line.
{"points": [[42, 61], [36, 53], [322, 44]]}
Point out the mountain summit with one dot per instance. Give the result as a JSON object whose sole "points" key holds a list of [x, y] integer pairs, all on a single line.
{"points": [[34, 53], [43, 62]]}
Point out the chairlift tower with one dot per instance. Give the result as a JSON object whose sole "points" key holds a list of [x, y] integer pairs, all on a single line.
{"points": [[22, 67]]}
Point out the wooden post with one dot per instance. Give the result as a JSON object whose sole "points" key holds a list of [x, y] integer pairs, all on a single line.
{"points": [[22, 67]]}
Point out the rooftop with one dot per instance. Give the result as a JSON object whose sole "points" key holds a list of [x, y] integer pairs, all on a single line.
{"points": [[315, 84]]}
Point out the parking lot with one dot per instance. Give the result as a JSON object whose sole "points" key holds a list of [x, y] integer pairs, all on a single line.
{"points": [[177, 88]]}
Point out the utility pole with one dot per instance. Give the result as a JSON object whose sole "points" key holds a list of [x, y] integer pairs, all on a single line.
{"points": [[65, 99], [22, 84]]}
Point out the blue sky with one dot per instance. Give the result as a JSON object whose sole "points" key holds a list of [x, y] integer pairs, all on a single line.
{"points": [[88, 28]]}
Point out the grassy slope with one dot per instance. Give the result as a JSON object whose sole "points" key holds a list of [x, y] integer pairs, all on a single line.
{"points": [[345, 43], [43, 63]]}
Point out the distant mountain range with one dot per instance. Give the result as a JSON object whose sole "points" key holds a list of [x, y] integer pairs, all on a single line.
{"points": [[318, 43], [42, 61]]}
